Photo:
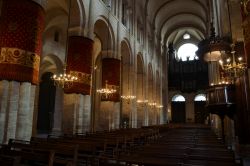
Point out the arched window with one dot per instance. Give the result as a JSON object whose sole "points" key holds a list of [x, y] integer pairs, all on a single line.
{"points": [[200, 97], [178, 98], [187, 52]]}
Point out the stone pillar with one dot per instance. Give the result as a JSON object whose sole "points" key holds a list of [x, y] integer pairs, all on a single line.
{"points": [[20, 50], [86, 113], [109, 115], [116, 115], [58, 114], [133, 114], [110, 104], [12, 109], [140, 114], [79, 114], [76, 116], [25, 114], [69, 113], [162, 116], [146, 115], [4, 93], [77, 98]]}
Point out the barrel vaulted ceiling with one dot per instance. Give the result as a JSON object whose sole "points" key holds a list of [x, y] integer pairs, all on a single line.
{"points": [[171, 19]]}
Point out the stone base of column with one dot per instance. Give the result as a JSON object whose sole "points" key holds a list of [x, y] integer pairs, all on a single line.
{"points": [[146, 116], [13, 109], [109, 116], [25, 112], [17, 107], [4, 93], [76, 114], [86, 114], [133, 114], [140, 116]]}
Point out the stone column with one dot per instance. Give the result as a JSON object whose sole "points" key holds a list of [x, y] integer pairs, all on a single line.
{"points": [[116, 115], [12, 109], [69, 113], [86, 113], [25, 114], [20, 50], [4, 93], [140, 115], [58, 114], [109, 115], [77, 98], [76, 115], [146, 115]]}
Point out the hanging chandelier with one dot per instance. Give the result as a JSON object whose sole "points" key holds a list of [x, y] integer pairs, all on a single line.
{"points": [[234, 66], [224, 80], [142, 102], [128, 97], [65, 80], [107, 91], [153, 104], [159, 106]]}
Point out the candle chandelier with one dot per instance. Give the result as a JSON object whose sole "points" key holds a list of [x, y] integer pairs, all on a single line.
{"points": [[65, 80], [152, 104], [234, 66], [107, 91]]}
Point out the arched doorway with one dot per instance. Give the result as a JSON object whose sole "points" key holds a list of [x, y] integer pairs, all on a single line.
{"points": [[199, 108], [178, 106], [46, 104]]}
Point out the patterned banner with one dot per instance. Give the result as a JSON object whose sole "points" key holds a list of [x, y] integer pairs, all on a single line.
{"points": [[79, 62], [21, 27], [111, 74], [245, 9]]}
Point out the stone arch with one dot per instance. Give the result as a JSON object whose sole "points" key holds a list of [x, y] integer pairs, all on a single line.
{"points": [[51, 63], [103, 30]]}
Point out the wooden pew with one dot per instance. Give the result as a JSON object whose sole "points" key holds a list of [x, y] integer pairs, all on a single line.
{"points": [[7, 160], [44, 153]]}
